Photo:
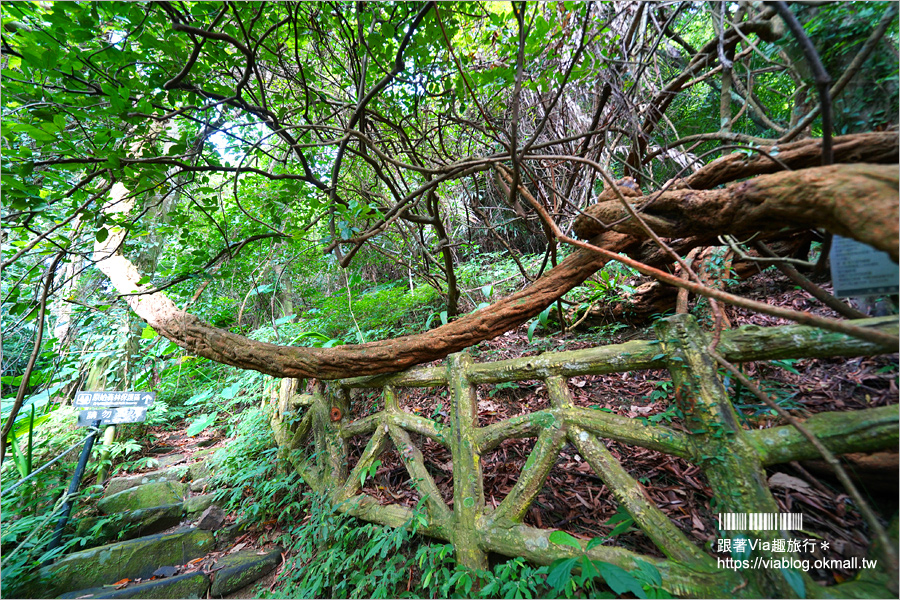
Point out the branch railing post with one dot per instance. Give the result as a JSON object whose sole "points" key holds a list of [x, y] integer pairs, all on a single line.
{"points": [[468, 486], [314, 431], [333, 404], [722, 448], [625, 489]]}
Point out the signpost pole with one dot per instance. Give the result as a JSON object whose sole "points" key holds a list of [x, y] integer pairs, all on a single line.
{"points": [[106, 408], [109, 435], [73, 487]]}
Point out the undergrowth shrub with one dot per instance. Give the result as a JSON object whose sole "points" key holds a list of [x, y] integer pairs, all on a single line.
{"points": [[245, 471], [31, 510], [337, 556], [495, 268], [334, 555], [392, 309], [380, 312], [28, 528]]}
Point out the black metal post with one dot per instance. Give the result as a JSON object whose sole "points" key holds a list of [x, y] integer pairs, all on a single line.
{"points": [[73, 487]]}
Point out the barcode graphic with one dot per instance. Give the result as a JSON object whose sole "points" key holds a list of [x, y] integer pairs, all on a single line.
{"points": [[760, 521]]}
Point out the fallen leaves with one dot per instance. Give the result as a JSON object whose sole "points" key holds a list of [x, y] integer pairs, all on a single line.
{"points": [[121, 583]]}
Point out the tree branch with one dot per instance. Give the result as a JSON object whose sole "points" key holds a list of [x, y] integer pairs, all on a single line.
{"points": [[35, 351]]}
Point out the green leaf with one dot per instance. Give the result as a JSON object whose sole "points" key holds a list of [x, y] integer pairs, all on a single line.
{"points": [[620, 580], [18, 459], [39, 135], [30, 453], [561, 573], [588, 571], [531, 329], [199, 397], [148, 333], [594, 543], [231, 391], [795, 580], [491, 589], [624, 520], [310, 334], [369, 472], [102, 234], [563, 538], [647, 573], [201, 423], [544, 317]]}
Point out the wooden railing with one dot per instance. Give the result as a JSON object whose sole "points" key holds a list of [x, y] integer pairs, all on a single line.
{"points": [[313, 432]]}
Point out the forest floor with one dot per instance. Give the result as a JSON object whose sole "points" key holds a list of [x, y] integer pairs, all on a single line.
{"points": [[574, 499]]}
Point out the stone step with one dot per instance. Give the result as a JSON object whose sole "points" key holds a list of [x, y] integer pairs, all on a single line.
{"points": [[131, 559], [130, 524], [173, 504], [145, 504], [189, 585], [195, 505], [227, 575], [199, 469], [180, 472], [120, 484], [144, 496], [240, 569], [169, 460]]}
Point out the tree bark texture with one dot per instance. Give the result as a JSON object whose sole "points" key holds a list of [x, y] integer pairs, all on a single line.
{"points": [[880, 148], [858, 201]]}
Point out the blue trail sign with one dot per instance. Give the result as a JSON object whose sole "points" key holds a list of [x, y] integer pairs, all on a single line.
{"points": [[114, 399]]}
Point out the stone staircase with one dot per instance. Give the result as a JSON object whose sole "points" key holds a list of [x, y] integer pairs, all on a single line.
{"points": [[168, 540]]}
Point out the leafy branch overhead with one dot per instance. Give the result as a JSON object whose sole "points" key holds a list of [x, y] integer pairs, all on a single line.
{"points": [[162, 142]]}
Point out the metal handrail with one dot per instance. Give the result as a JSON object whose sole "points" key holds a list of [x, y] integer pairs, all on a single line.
{"points": [[93, 431]]}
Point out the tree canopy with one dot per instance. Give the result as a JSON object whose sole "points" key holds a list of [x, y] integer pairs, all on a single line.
{"points": [[165, 142]]}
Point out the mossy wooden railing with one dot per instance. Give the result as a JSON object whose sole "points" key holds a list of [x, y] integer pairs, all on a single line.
{"points": [[314, 437]]}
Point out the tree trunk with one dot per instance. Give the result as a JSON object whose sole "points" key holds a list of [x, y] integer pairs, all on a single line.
{"points": [[880, 148], [825, 197], [371, 358], [857, 201]]}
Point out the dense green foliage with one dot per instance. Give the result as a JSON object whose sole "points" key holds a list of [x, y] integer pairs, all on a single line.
{"points": [[315, 174], [340, 557]]}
